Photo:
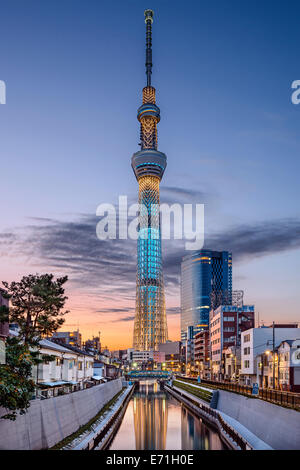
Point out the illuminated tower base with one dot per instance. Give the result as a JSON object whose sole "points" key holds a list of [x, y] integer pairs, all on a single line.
{"points": [[150, 325]]}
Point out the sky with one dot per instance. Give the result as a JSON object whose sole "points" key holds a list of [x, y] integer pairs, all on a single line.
{"points": [[74, 73]]}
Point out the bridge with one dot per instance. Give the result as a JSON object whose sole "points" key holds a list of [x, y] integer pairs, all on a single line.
{"points": [[149, 374]]}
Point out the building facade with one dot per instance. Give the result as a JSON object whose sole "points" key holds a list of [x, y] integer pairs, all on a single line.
{"points": [[73, 338], [93, 345], [206, 278], [288, 362], [257, 349], [139, 357], [202, 353], [150, 324], [69, 368], [226, 324], [172, 355]]}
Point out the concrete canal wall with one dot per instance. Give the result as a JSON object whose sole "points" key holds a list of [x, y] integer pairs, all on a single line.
{"points": [[47, 422], [277, 426]]}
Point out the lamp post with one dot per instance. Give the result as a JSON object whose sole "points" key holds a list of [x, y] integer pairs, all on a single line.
{"points": [[273, 325]]}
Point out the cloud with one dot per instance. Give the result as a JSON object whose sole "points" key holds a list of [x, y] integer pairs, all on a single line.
{"points": [[107, 269], [124, 319], [261, 239], [172, 194]]}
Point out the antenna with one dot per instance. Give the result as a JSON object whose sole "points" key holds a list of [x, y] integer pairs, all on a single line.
{"points": [[149, 20]]}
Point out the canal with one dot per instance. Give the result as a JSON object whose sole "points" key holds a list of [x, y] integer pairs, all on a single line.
{"points": [[154, 420]]}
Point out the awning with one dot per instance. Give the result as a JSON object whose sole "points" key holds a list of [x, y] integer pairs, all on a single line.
{"points": [[54, 384], [98, 377]]}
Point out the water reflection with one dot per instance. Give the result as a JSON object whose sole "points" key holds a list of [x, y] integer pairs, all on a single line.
{"points": [[150, 417], [154, 420]]}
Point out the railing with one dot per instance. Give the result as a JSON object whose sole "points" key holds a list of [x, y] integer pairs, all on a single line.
{"points": [[278, 397], [214, 416], [50, 392]]}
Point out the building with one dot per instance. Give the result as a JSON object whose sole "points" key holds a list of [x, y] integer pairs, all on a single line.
{"points": [[129, 354], [172, 355], [119, 354], [288, 362], [189, 346], [226, 323], [72, 338], [256, 345], [99, 369], [206, 278], [232, 363], [140, 357], [150, 324], [202, 353], [71, 369], [4, 326], [158, 359], [93, 345]]}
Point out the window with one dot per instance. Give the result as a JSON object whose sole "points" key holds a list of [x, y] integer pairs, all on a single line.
{"points": [[246, 364], [79, 365], [246, 338], [228, 318]]}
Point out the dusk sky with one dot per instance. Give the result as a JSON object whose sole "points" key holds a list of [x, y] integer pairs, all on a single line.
{"points": [[74, 73]]}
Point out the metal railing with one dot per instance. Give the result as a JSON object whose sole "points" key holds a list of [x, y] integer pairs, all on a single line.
{"points": [[50, 392], [279, 397], [213, 415]]}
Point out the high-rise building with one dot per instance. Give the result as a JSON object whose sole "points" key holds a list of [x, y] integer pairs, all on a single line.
{"points": [[150, 325], [206, 280]]}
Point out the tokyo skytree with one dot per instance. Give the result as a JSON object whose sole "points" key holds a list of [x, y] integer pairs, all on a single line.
{"points": [[150, 324]]}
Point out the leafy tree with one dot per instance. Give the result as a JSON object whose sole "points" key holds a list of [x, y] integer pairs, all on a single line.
{"points": [[36, 305], [16, 384]]}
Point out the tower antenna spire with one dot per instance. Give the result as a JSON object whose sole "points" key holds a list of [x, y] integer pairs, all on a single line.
{"points": [[149, 20], [150, 321]]}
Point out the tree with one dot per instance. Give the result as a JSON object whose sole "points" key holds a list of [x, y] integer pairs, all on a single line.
{"points": [[16, 384], [36, 305]]}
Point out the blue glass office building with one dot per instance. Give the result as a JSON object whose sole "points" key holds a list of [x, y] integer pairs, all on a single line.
{"points": [[206, 280]]}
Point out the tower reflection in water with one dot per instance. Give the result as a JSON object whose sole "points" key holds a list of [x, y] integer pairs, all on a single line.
{"points": [[154, 420], [197, 436], [150, 417]]}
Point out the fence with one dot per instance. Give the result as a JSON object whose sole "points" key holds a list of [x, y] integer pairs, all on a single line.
{"points": [[212, 415], [278, 397], [50, 392]]}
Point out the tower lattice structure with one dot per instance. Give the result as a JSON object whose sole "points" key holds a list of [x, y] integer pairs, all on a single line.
{"points": [[150, 324]]}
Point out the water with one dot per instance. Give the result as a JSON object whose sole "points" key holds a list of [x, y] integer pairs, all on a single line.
{"points": [[154, 420]]}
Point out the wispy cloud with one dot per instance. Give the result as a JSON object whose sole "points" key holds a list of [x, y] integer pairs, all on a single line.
{"points": [[108, 268]]}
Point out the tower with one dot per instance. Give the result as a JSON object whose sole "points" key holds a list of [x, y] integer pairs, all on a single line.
{"points": [[150, 324]]}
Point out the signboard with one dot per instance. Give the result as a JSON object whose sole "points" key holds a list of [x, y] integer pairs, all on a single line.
{"points": [[198, 380], [255, 389]]}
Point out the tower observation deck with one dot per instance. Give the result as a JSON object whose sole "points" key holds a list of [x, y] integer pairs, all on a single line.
{"points": [[150, 324]]}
